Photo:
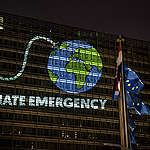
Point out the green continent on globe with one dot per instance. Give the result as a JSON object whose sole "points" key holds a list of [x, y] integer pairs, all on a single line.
{"points": [[52, 76], [90, 57], [81, 63], [79, 70]]}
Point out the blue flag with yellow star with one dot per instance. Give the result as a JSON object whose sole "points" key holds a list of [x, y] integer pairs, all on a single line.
{"points": [[133, 85], [133, 102]]}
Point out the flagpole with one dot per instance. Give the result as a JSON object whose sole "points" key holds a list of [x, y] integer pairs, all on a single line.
{"points": [[123, 107]]}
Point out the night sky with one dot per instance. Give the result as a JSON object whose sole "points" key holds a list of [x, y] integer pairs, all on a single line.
{"points": [[128, 17]]}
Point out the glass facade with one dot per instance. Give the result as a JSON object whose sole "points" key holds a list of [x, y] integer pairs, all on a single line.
{"points": [[30, 72]]}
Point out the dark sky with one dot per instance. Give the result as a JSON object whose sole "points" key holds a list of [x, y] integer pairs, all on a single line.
{"points": [[128, 17]]}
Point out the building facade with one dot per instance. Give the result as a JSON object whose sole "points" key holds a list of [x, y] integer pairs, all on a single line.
{"points": [[56, 86]]}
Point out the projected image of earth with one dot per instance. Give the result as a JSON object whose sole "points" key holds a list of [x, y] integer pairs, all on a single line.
{"points": [[75, 66]]}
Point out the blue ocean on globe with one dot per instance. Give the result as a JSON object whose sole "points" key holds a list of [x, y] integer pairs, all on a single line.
{"points": [[74, 66]]}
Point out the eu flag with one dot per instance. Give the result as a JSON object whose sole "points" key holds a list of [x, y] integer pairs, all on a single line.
{"points": [[133, 84]]}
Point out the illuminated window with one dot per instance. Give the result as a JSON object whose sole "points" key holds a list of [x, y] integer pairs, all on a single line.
{"points": [[1, 23]]}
